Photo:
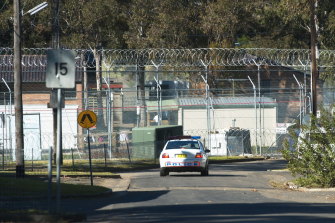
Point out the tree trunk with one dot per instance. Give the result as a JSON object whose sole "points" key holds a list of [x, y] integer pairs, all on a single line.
{"points": [[101, 120], [142, 103], [314, 70]]}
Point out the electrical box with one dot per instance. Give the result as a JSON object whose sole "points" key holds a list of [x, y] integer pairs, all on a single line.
{"points": [[148, 142]]}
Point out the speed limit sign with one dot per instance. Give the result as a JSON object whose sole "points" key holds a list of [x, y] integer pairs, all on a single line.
{"points": [[60, 69]]}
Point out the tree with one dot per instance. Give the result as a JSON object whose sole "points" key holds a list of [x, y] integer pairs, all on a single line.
{"points": [[312, 15], [141, 14], [36, 31], [162, 24], [311, 156], [165, 24], [223, 21], [94, 25], [6, 26]]}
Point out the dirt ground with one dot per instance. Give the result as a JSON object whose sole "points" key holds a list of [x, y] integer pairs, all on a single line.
{"points": [[116, 183]]}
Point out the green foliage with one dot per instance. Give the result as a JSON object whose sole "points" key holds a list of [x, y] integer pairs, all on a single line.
{"points": [[173, 24], [312, 156]]}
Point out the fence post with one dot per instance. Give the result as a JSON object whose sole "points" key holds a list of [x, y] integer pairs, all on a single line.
{"points": [[129, 151], [105, 155], [32, 159], [72, 158], [49, 178]]}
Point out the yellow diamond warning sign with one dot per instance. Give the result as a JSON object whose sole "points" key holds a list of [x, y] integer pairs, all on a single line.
{"points": [[87, 119]]}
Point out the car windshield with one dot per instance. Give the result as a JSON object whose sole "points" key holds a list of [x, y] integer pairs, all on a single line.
{"points": [[182, 144]]}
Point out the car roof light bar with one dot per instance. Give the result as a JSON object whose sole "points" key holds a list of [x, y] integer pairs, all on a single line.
{"points": [[179, 137]]}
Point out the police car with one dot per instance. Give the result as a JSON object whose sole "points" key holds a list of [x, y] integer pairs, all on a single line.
{"points": [[184, 154]]}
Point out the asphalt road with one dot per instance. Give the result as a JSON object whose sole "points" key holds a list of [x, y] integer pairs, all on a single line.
{"points": [[235, 192]]}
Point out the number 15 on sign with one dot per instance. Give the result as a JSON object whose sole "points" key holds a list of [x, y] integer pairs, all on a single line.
{"points": [[60, 69]]}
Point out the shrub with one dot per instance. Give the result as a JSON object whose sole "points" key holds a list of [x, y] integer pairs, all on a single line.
{"points": [[313, 155]]}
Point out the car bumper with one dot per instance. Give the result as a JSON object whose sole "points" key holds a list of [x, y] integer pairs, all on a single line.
{"points": [[184, 169], [186, 164]]}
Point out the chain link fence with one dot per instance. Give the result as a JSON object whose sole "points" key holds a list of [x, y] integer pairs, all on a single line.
{"points": [[238, 126], [240, 101]]}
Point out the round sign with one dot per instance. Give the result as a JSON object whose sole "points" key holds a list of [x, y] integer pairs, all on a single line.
{"points": [[87, 119]]}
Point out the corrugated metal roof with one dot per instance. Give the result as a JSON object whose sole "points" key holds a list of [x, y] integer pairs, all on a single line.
{"points": [[220, 102], [30, 74], [226, 102]]}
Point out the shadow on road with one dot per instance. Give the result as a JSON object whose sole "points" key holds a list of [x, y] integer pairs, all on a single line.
{"points": [[230, 212], [263, 165]]}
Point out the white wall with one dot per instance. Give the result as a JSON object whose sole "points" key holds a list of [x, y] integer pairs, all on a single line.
{"points": [[196, 120], [44, 136]]}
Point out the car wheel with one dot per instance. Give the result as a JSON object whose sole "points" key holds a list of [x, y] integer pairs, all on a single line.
{"points": [[163, 172], [204, 172]]}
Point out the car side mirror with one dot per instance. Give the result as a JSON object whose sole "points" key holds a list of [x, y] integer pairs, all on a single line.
{"points": [[207, 151]]}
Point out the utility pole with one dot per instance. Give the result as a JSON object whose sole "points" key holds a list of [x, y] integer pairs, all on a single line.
{"points": [[55, 45], [314, 69], [19, 150]]}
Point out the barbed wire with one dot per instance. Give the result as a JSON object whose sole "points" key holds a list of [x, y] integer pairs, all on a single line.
{"points": [[198, 57]]}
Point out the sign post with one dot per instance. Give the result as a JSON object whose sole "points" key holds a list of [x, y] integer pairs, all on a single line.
{"points": [[88, 119], [60, 74]]}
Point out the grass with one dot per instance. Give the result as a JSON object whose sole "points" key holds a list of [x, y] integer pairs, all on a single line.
{"points": [[27, 187], [80, 167], [99, 166], [34, 184], [223, 158]]}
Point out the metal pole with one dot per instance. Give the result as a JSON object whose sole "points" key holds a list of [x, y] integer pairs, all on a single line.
{"points": [[5, 125], [208, 112], [72, 156], [89, 154], [55, 45], [57, 115], [255, 101], [260, 110], [159, 94], [49, 178], [300, 95], [207, 104], [109, 119], [138, 109], [3, 142], [32, 159], [159, 102], [59, 146], [305, 91], [105, 156], [10, 115]]}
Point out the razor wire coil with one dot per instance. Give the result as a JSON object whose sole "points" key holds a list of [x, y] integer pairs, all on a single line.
{"points": [[34, 57]]}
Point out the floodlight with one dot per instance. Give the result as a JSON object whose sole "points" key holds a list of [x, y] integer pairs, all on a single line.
{"points": [[37, 8]]}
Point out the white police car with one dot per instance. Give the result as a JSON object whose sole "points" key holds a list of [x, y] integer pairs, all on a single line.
{"points": [[184, 154]]}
